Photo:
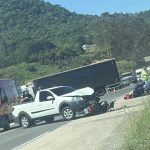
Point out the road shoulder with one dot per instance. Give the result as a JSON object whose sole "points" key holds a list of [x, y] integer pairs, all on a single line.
{"points": [[90, 133]]}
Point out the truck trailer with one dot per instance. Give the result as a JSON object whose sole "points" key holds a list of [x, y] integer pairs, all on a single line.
{"points": [[96, 76]]}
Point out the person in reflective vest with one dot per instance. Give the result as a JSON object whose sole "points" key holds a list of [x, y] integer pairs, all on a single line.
{"points": [[144, 75]]}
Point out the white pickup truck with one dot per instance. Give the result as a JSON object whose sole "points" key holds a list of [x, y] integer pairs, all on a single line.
{"points": [[50, 102]]}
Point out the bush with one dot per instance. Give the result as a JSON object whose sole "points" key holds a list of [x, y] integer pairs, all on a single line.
{"points": [[125, 66], [31, 68]]}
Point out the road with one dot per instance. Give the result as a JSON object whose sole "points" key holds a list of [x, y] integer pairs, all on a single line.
{"points": [[115, 95], [18, 136]]}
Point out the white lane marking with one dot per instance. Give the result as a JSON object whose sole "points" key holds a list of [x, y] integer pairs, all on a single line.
{"points": [[17, 148]]}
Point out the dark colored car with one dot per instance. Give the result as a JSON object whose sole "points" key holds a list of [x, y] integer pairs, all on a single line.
{"points": [[128, 78]]}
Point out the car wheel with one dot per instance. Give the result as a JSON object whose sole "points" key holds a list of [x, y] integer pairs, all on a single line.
{"points": [[49, 119], [6, 124], [24, 121], [68, 113], [105, 107]]}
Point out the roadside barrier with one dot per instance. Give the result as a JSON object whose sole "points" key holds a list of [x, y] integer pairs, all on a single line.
{"points": [[113, 87]]}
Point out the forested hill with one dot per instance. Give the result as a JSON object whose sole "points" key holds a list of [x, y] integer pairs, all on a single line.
{"points": [[33, 30], [36, 31]]}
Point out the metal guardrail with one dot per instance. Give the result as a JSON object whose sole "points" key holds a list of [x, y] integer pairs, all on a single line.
{"points": [[115, 86]]}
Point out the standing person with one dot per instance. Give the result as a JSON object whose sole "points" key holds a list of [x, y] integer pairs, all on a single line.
{"points": [[144, 75], [26, 97]]}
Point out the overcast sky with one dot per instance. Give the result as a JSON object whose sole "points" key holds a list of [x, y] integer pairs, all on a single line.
{"points": [[97, 7]]}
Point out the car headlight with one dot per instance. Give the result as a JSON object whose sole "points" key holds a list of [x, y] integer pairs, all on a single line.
{"points": [[77, 99]]}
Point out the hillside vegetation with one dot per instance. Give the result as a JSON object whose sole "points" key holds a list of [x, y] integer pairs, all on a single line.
{"points": [[37, 33]]}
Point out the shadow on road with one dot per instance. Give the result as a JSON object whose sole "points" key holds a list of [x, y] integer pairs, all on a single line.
{"points": [[41, 123], [1, 131], [55, 121]]}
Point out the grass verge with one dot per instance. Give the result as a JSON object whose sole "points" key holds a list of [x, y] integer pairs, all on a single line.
{"points": [[137, 130]]}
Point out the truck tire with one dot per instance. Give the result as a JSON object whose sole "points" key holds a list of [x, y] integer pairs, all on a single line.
{"points": [[68, 113], [25, 121], [6, 124], [105, 107], [49, 119], [99, 91]]}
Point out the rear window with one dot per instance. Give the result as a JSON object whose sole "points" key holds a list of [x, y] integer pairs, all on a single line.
{"points": [[9, 88]]}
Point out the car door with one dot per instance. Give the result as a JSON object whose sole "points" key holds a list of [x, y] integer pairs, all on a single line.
{"points": [[47, 103]]}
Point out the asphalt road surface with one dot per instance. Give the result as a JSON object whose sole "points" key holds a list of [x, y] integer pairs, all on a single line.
{"points": [[115, 95], [17, 136]]}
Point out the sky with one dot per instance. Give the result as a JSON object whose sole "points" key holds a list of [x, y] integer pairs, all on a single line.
{"points": [[97, 7]]}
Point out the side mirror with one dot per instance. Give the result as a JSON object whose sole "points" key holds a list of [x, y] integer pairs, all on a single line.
{"points": [[50, 98]]}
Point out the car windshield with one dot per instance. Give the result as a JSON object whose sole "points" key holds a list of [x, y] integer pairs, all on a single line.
{"points": [[62, 90]]}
